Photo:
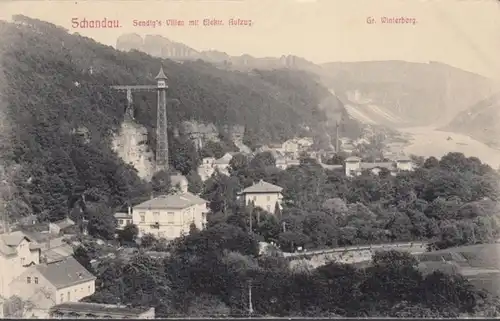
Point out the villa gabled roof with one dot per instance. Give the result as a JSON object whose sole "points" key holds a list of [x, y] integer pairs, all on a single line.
{"points": [[262, 187], [64, 273], [172, 201]]}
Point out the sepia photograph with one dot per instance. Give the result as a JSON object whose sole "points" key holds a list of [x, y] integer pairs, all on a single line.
{"points": [[237, 159]]}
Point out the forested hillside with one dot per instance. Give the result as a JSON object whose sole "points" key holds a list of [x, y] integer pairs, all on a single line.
{"points": [[56, 87]]}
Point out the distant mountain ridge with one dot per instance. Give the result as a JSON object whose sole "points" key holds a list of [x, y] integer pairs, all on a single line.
{"points": [[390, 93]]}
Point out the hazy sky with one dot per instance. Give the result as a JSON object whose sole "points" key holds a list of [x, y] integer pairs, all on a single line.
{"points": [[463, 33]]}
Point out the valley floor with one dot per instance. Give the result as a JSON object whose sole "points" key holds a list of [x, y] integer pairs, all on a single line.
{"points": [[428, 141]]}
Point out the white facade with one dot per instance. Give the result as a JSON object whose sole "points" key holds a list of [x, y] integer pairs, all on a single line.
{"points": [[206, 168], [14, 263], [32, 284], [354, 166], [263, 195], [266, 201], [210, 164], [404, 164], [123, 219], [290, 146], [170, 216]]}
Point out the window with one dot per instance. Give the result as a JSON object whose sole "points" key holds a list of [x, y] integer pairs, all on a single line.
{"points": [[89, 288], [23, 261], [28, 280], [156, 215], [170, 217], [143, 217], [62, 297], [69, 296], [36, 280], [120, 222]]}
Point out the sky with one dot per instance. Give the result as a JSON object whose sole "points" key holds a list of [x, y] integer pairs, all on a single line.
{"points": [[462, 33]]}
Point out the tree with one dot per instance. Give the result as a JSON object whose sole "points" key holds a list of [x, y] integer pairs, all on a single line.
{"points": [[195, 183], [161, 183], [15, 307], [128, 234], [82, 255], [101, 222]]}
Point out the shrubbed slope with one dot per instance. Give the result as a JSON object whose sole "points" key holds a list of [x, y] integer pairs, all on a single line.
{"points": [[480, 121], [52, 96], [421, 93]]}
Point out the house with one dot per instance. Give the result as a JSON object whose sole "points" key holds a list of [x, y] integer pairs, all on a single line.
{"points": [[281, 162], [123, 219], [17, 253], [222, 164], [48, 284], [62, 226], [264, 195], [404, 163], [354, 166], [347, 147], [71, 310], [290, 147], [51, 247], [305, 142], [206, 168], [210, 164], [170, 216]]}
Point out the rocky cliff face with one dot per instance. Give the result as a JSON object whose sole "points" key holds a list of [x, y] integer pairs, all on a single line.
{"points": [[156, 46], [130, 145]]}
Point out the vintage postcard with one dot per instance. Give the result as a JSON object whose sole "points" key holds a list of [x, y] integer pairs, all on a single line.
{"points": [[249, 158]]}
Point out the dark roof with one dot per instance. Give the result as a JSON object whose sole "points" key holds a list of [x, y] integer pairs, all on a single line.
{"points": [[97, 308], [64, 273], [262, 187], [161, 75]]}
